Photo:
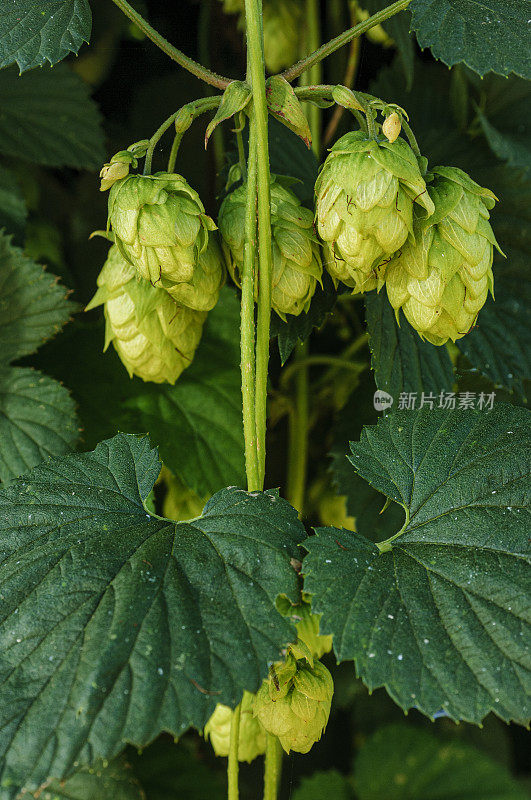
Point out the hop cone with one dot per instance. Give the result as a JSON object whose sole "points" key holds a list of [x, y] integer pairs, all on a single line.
{"points": [[180, 502], [365, 195], [442, 277], [252, 740], [293, 703], [296, 258], [155, 338], [160, 227], [308, 630]]}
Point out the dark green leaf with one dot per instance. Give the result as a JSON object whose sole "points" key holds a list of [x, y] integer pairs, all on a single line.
{"points": [[13, 211], [116, 625], [400, 762], [49, 118], [37, 420], [324, 784], [440, 616], [115, 781], [489, 36], [401, 361], [170, 771], [398, 28], [33, 306], [32, 34]]}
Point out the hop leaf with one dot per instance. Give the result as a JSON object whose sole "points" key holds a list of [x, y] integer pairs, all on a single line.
{"points": [[252, 739], [294, 703], [296, 258], [160, 227], [441, 278], [154, 336], [364, 206]]}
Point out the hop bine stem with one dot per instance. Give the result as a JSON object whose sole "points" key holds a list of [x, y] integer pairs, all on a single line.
{"points": [[273, 761], [259, 118], [233, 763]]}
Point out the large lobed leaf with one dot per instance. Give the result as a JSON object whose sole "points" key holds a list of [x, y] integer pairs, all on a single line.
{"points": [[440, 615], [116, 625], [490, 36], [400, 762], [49, 118], [33, 33], [103, 781]]}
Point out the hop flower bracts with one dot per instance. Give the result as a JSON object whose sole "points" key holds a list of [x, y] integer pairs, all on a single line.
{"points": [[160, 227], [442, 275], [365, 195], [155, 337], [294, 702], [252, 738], [297, 266]]}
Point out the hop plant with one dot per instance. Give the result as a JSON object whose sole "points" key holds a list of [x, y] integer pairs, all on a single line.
{"points": [[252, 738], [308, 630], [161, 228], [294, 702], [154, 336], [180, 503], [296, 258], [442, 276], [364, 206]]}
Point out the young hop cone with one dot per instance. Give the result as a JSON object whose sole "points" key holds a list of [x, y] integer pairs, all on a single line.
{"points": [[365, 194], [161, 228], [154, 336], [296, 258], [294, 702], [442, 277], [252, 739]]}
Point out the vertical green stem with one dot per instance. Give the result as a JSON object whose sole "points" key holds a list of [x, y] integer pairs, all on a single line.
{"points": [[273, 765], [313, 76], [174, 150], [256, 73], [247, 320], [233, 764]]}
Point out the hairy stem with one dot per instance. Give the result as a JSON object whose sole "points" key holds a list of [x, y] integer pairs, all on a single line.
{"points": [[204, 74], [233, 763], [247, 338], [344, 38], [273, 764], [256, 73]]}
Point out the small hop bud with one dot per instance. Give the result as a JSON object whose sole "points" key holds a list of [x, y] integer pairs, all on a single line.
{"points": [[112, 172], [252, 739], [392, 126], [442, 276], [294, 702]]}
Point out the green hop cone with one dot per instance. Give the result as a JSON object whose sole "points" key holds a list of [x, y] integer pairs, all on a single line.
{"points": [[365, 194], [202, 292], [154, 336], [294, 702], [252, 739], [296, 257], [160, 227], [441, 278], [180, 503]]}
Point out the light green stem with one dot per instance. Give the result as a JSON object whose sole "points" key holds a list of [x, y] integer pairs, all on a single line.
{"points": [[247, 338], [273, 765], [256, 73], [344, 38], [234, 764], [411, 136], [219, 81]]}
